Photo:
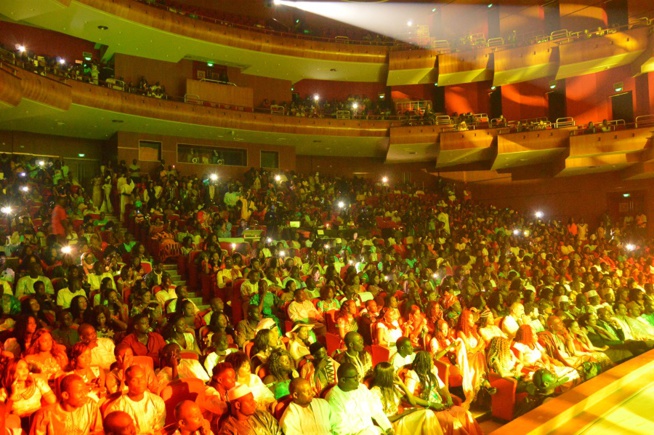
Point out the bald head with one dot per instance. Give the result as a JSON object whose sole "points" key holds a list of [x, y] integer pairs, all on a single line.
{"points": [[118, 423]]}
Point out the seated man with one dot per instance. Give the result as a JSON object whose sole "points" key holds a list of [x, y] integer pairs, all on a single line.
{"points": [[74, 413], [355, 354], [302, 309], [244, 418], [189, 420], [146, 409], [404, 355], [102, 349], [354, 407], [306, 414], [115, 379], [118, 423], [247, 328]]}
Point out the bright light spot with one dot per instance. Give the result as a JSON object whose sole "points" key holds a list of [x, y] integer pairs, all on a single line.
{"points": [[213, 177], [355, 106], [6, 209], [278, 177], [316, 97], [62, 61], [25, 188], [341, 204], [526, 233], [349, 261], [326, 246], [21, 174], [490, 5], [409, 23], [384, 180], [387, 277], [630, 247], [269, 240], [209, 64], [435, 276], [493, 88], [81, 155], [233, 246], [66, 250], [277, 2], [282, 253], [21, 48], [41, 162], [516, 232], [539, 214]]}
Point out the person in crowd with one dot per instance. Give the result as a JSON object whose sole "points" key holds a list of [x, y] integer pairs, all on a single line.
{"points": [[143, 341], [189, 420], [245, 418], [146, 409], [73, 413], [118, 423], [47, 356], [356, 355], [354, 408], [306, 414], [244, 376]]}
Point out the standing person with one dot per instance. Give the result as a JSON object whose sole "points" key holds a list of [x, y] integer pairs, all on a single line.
{"points": [[59, 220]]}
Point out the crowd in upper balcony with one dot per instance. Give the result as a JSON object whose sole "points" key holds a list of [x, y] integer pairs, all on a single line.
{"points": [[383, 297]]}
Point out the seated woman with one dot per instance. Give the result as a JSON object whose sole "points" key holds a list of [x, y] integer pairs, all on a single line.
{"points": [[268, 302], [22, 337], [24, 393], [50, 358], [80, 364], [475, 371], [346, 320], [582, 344], [503, 362], [416, 327], [282, 371], [79, 308], [177, 332], [423, 383], [533, 356], [406, 418], [299, 341], [487, 327], [262, 395], [265, 342], [388, 328], [327, 301]]}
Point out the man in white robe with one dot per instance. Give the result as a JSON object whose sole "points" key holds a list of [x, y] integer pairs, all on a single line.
{"points": [[305, 414], [354, 407]]}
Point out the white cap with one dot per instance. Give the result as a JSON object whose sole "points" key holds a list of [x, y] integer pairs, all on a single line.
{"points": [[237, 392]]}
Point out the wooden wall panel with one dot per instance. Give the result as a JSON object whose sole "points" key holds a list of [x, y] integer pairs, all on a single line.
{"points": [[580, 15], [10, 89], [171, 75], [218, 93], [45, 90], [238, 38]]}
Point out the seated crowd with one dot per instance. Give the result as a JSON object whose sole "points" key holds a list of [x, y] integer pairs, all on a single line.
{"points": [[421, 308]]}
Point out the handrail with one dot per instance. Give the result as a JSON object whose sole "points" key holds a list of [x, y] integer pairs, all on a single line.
{"points": [[567, 121], [644, 120], [220, 82]]}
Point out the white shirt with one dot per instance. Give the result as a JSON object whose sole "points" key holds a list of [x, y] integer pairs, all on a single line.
{"points": [[302, 311], [311, 420], [353, 411], [400, 361], [65, 297]]}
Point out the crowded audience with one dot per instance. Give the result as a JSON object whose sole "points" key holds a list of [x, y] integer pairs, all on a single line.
{"points": [[354, 307]]}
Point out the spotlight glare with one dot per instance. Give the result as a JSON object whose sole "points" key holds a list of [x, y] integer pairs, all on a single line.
{"points": [[409, 23], [66, 250], [277, 2], [278, 177], [539, 214], [316, 97], [269, 240], [282, 253], [516, 232], [6, 209], [25, 188], [341, 204], [233, 246], [630, 247], [213, 177], [21, 48], [384, 180]]}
